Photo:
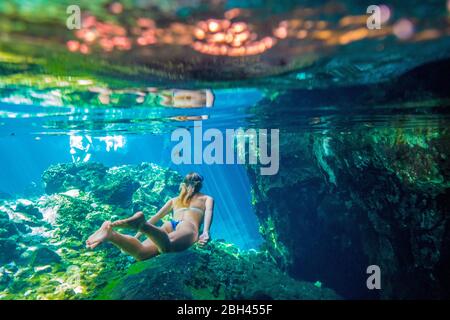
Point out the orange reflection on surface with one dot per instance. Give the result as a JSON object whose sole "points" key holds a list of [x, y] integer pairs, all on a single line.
{"points": [[323, 35], [226, 38], [345, 31], [116, 8], [177, 33], [429, 34], [353, 35], [232, 13], [403, 29], [353, 20], [73, 45], [281, 32], [108, 36], [145, 32], [302, 29]]}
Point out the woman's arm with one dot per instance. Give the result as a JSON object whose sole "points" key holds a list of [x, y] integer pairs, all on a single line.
{"points": [[162, 212], [159, 215], [209, 208]]}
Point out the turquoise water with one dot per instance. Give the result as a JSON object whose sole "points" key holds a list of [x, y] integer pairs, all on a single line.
{"points": [[37, 137]]}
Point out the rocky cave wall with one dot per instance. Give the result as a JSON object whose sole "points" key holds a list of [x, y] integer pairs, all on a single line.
{"points": [[345, 199]]}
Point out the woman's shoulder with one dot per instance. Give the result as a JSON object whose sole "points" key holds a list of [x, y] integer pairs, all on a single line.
{"points": [[205, 197]]}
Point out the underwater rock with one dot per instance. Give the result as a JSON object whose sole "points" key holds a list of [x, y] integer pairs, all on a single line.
{"points": [[306, 232], [79, 217], [157, 185], [117, 191], [143, 186], [218, 271], [27, 216], [8, 250], [52, 261], [42, 269], [362, 192], [43, 256], [5, 279], [377, 196], [22, 227], [27, 207], [7, 227], [399, 181], [102, 194], [80, 175]]}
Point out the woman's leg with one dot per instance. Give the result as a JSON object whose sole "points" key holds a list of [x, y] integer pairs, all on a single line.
{"points": [[184, 237], [126, 243], [159, 236], [181, 239], [167, 226], [132, 246]]}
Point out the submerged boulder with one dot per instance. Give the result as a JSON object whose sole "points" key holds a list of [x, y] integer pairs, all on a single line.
{"points": [[78, 217], [139, 187], [397, 181], [367, 182], [44, 256], [42, 245], [7, 227], [79, 175], [89, 194], [157, 185], [117, 190], [27, 207], [8, 250], [5, 279], [376, 196], [218, 271]]}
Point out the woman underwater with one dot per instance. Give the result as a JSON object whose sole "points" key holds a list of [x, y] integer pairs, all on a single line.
{"points": [[191, 209]]}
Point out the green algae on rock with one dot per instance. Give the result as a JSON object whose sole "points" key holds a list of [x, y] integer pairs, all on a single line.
{"points": [[66, 176], [42, 239], [373, 190], [378, 196], [217, 271]]}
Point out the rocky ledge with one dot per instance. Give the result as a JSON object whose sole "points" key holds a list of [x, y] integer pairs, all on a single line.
{"points": [[218, 271]]}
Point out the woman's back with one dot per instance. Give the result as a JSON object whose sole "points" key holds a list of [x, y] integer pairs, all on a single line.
{"points": [[194, 211]]}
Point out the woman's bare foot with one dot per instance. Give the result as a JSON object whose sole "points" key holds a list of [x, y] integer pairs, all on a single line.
{"points": [[100, 235], [135, 222]]}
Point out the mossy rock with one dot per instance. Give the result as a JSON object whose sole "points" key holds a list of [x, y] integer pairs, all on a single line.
{"points": [[8, 250], [28, 208], [216, 272], [44, 256], [117, 191], [66, 176], [7, 227]]}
